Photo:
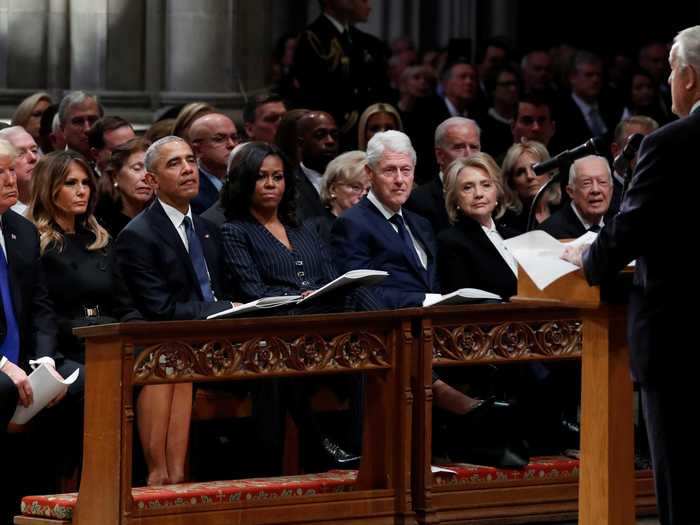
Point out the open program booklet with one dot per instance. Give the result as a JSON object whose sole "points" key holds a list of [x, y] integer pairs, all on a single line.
{"points": [[353, 277], [461, 296]]}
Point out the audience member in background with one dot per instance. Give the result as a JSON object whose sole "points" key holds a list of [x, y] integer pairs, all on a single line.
{"points": [[642, 97], [281, 68], [590, 189], [340, 69], [534, 121], [318, 144], [106, 134], [188, 114], [126, 172], [50, 131], [376, 118], [471, 252], [583, 113], [623, 131], [287, 136], [171, 263], [455, 138], [344, 183], [536, 67], [492, 55], [414, 85], [212, 137], [261, 117], [461, 87], [521, 185], [77, 112], [29, 112], [653, 57], [27, 156], [158, 130], [503, 87]]}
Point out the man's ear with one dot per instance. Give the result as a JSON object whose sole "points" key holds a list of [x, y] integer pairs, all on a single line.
{"points": [[691, 82], [248, 127], [151, 180]]}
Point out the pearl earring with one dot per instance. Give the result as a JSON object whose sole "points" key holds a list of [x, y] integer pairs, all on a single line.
{"points": [[116, 185]]}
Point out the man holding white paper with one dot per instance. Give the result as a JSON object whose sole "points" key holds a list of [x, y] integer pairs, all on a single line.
{"points": [[656, 221]]}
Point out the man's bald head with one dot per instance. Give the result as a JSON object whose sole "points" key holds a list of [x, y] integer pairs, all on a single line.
{"points": [[318, 139], [212, 137]]}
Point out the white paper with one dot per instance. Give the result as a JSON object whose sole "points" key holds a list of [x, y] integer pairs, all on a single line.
{"points": [[539, 255], [461, 296], [355, 277], [45, 387], [434, 469], [258, 304]]}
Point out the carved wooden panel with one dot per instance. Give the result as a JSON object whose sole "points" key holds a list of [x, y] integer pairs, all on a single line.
{"points": [[177, 360], [507, 341]]}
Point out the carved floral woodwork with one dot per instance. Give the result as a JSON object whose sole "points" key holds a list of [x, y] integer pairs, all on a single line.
{"points": [[179, 360], [507, 341]]}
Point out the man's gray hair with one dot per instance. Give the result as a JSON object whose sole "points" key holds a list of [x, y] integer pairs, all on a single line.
{"points": [[687, 45], [392, 140], [55, 124], [573, 173], [71, 99], [10, 133], [153, 150], [445, 125]]}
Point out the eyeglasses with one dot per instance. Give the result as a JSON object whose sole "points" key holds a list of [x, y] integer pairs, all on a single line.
{"points": [[357, 189], [221, 139]]}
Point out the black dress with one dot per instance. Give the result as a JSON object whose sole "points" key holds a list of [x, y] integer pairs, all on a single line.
{"points": [[83, 288]]}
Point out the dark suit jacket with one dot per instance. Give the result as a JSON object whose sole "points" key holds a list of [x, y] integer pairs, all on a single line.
{"points": [[363, 239], [572, 127], [32, 305], [158, 270], [308, 201], [656, 225], [468, 259], [428, 201], [563, 224], [208, 195]]}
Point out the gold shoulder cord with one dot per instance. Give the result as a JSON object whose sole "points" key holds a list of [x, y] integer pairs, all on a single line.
{"points": [[335, 52]]}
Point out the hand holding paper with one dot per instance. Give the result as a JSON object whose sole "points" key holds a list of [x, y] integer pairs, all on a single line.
{"points": [[47, 385]]}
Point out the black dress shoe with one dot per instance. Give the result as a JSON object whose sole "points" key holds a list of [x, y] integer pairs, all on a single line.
{"points": [[335, 457]]}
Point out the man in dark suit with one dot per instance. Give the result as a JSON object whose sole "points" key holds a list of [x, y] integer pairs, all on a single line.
{"points": [[655, 222], [318, 144], [456, 137], [212, 138], [590, 189], [169, 257]]}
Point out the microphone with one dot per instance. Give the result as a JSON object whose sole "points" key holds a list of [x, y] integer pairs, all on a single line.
{"points": [[566, 157], [623, 161]]}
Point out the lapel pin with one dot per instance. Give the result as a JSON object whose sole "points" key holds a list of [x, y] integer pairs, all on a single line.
{"points": [[206, 235], [13, 236]]}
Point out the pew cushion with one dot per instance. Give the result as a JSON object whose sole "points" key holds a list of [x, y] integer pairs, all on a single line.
{"points": [[60, 506], [542, 468]]}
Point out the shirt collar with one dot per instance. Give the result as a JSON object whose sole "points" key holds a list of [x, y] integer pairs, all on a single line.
{"points": [[586, 225], [454, 112], [388, 213], [340, 27], [216, 181], [584, 106], [175, 215], [491, 228], [313, 176], [695, 106]]}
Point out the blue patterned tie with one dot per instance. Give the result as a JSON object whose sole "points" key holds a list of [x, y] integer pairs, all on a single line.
{"points": [[10, 346], [198, 261], [406, 239]]}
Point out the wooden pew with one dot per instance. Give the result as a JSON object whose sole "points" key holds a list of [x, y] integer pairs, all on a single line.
{"points": [[542, 331], [377, 344]]}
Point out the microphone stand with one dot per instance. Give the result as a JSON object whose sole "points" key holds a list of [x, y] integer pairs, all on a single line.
{"points": [[537, 198]]}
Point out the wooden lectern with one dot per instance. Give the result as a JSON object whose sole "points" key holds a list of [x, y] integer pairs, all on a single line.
{"points": [[607, 479]]}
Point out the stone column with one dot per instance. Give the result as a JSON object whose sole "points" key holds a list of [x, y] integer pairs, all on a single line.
{"points": [[88, 44]]}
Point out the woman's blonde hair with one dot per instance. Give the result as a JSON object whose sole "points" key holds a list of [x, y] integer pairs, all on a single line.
{"points": [[47, 180], [508, 169], [26, 107], [482, 161], [187, 115], [344, 169], [380, 107]]}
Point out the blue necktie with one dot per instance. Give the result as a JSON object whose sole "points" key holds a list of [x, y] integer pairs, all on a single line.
{"points": [[10, 346], [198, 261], [406, 239]]}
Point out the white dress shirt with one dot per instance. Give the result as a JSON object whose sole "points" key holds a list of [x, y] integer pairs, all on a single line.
{"points": [[313, 176], [586, 224], [178, 218], [497, 241]]}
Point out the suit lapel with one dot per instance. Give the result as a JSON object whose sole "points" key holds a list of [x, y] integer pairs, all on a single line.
{"points": [[208, 248], [165, 229]]}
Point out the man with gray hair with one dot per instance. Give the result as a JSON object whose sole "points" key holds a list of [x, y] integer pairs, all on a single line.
{"points": [[656, 221], [455, 138], [378, 233], [590, 190], [77, 112], [26, 159], [169, 257]]}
